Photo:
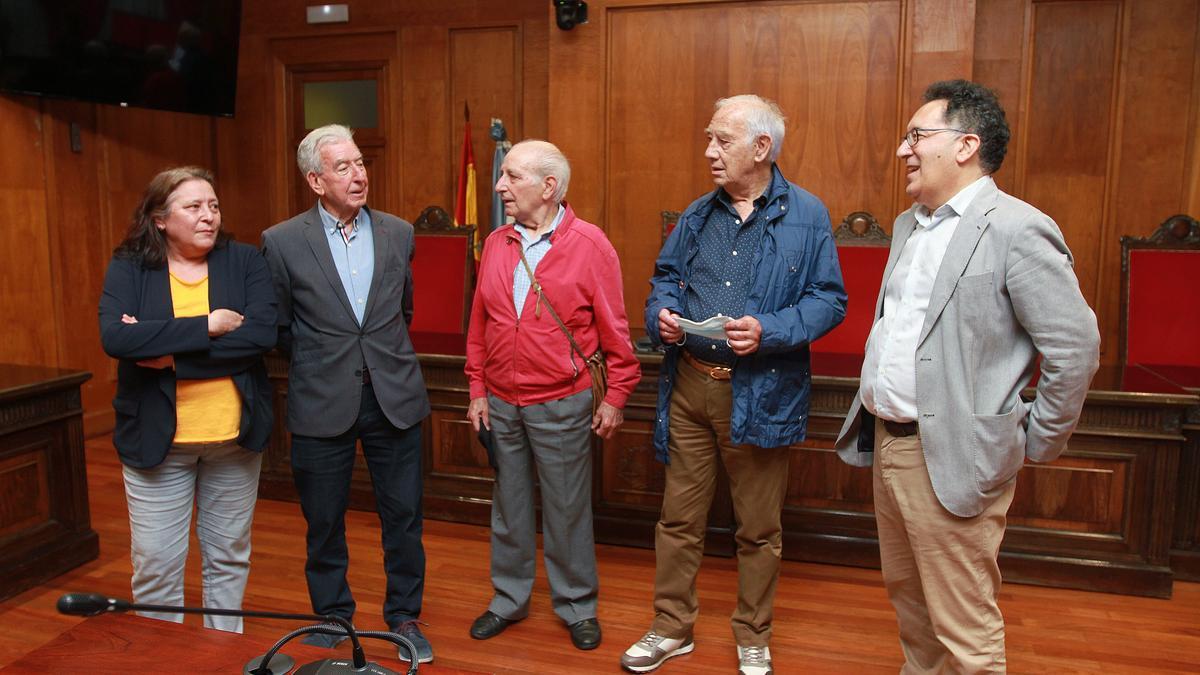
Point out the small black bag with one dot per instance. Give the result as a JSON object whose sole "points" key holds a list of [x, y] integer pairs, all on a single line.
{"points": [[489, 444]]}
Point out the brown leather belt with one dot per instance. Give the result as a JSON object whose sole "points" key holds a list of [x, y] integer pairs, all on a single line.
{"points": [[714, 370], [900, 429]]}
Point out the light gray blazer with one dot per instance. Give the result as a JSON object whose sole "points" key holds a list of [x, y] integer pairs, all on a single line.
{"points": [[327, 347], [1005, 293]]}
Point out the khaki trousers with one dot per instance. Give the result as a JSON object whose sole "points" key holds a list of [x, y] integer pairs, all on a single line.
{"points": [[940, 570], [700, 409]]}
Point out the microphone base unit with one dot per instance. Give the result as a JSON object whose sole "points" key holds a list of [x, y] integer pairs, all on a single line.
{"points": [[92, 604], [342, 666], [280, 663]]}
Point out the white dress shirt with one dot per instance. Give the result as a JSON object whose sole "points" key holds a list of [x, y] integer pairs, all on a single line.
{"points": [[889, 373]]}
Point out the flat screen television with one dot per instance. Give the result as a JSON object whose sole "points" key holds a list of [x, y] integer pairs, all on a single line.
{"points": [[176, 55]]}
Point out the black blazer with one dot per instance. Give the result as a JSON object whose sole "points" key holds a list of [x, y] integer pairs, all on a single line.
{"points": [[327, 347], [238, 279]]}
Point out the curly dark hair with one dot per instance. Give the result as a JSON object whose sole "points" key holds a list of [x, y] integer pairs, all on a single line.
{"points": [[144, 242], [975, 108]]}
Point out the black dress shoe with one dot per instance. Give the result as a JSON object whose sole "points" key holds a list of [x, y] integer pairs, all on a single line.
{"points": [[585, 634], [489, 625]]}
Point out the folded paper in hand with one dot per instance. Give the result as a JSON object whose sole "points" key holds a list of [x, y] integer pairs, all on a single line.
{"points": [[713, 327]]}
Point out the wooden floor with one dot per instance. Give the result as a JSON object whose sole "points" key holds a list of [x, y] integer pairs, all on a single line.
{"points": [[828, 619]]}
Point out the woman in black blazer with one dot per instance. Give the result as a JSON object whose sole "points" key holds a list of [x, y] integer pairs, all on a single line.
{"points": [[189, 314]]}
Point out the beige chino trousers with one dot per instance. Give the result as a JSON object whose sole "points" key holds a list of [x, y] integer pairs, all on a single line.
{"points": [[940, 570]]}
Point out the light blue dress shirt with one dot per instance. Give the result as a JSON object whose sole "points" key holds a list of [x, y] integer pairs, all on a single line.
{"points": [[354, 256], [535, 250]]}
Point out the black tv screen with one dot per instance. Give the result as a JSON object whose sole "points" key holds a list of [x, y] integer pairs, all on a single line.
{"points": [[165, 54]]}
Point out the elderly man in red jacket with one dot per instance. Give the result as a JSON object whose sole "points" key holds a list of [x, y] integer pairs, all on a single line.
{"points": [[548, 275]]}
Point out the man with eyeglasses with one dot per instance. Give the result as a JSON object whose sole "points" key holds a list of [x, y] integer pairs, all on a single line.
{"points": [[344, 286], [977, 286]]}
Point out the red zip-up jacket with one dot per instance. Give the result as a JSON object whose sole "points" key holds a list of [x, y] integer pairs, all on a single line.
{"points": [[527, 359]]}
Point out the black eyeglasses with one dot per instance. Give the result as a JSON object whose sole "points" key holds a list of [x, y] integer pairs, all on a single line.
{"points": [[915, 135]]}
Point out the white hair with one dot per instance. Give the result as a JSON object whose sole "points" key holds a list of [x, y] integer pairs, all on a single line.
{"points": [[548, 160], [763, 118], [308, 153]]}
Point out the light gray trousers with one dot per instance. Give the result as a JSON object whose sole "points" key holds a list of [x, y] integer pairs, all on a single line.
{"points": [[221, 479], [555, 439]]}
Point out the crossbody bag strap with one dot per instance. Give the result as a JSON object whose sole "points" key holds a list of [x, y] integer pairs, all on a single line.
{"points": [[537, 288]]}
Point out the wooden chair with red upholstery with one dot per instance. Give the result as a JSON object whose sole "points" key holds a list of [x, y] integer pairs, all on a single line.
{"points": [[443, 270], [863, 252], [1160, 333], [1160, 301]]}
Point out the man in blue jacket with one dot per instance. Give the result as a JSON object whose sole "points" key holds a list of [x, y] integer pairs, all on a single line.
{"points": [[758, 251]]}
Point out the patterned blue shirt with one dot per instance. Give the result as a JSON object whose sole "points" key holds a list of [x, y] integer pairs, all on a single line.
{"points": [[353, 255], [535, 250], [723, 269]]}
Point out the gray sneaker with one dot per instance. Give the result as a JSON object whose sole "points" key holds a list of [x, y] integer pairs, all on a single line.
{"points": [[754, 661], [649, 652], [412, 631]]}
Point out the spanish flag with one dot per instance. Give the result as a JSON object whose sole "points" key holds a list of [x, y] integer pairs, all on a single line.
{"points": [[466, 208]]}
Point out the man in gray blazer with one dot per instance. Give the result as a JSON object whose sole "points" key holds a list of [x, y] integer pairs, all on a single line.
{"points": [[344, 288], [978, 284]]}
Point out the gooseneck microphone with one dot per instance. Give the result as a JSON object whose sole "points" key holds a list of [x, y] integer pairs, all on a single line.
{"points": [[92, 604]]}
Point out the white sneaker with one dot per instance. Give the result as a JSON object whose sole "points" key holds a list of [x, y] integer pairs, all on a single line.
{"points": [[754, 661], [649, 652]]}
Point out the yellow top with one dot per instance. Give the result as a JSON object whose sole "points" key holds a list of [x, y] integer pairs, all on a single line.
{"points": [[206, 411]]}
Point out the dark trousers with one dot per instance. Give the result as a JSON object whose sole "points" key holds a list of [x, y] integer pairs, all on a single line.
{"points": [[322, 468]]}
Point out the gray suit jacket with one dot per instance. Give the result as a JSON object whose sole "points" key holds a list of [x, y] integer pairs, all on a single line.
{"points": [[1005, 293], [318, 330]]}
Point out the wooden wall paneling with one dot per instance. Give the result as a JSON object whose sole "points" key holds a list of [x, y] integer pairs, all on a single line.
{"points": [[1075, 52], [486, 76], [24, 474], [137, 145], [662, 83], [1185, 544], [457, 479], [297, 60], [1075, 494], [1192, 204], [999, 64], [281, 153], [45, 521], [535, 73], [939, 45], [633, 477], [287, 17], [577, 98], [841, 133], [31, 334], [424, 120], [242, 162], [628, 481], [81, 242], [1149, 172], [372, 142]]}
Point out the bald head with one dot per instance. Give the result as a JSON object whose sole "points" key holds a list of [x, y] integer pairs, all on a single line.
{"points": [[543, 159]]}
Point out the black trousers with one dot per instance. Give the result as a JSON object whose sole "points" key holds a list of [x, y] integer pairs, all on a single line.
{"points": [[322, 468]]}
